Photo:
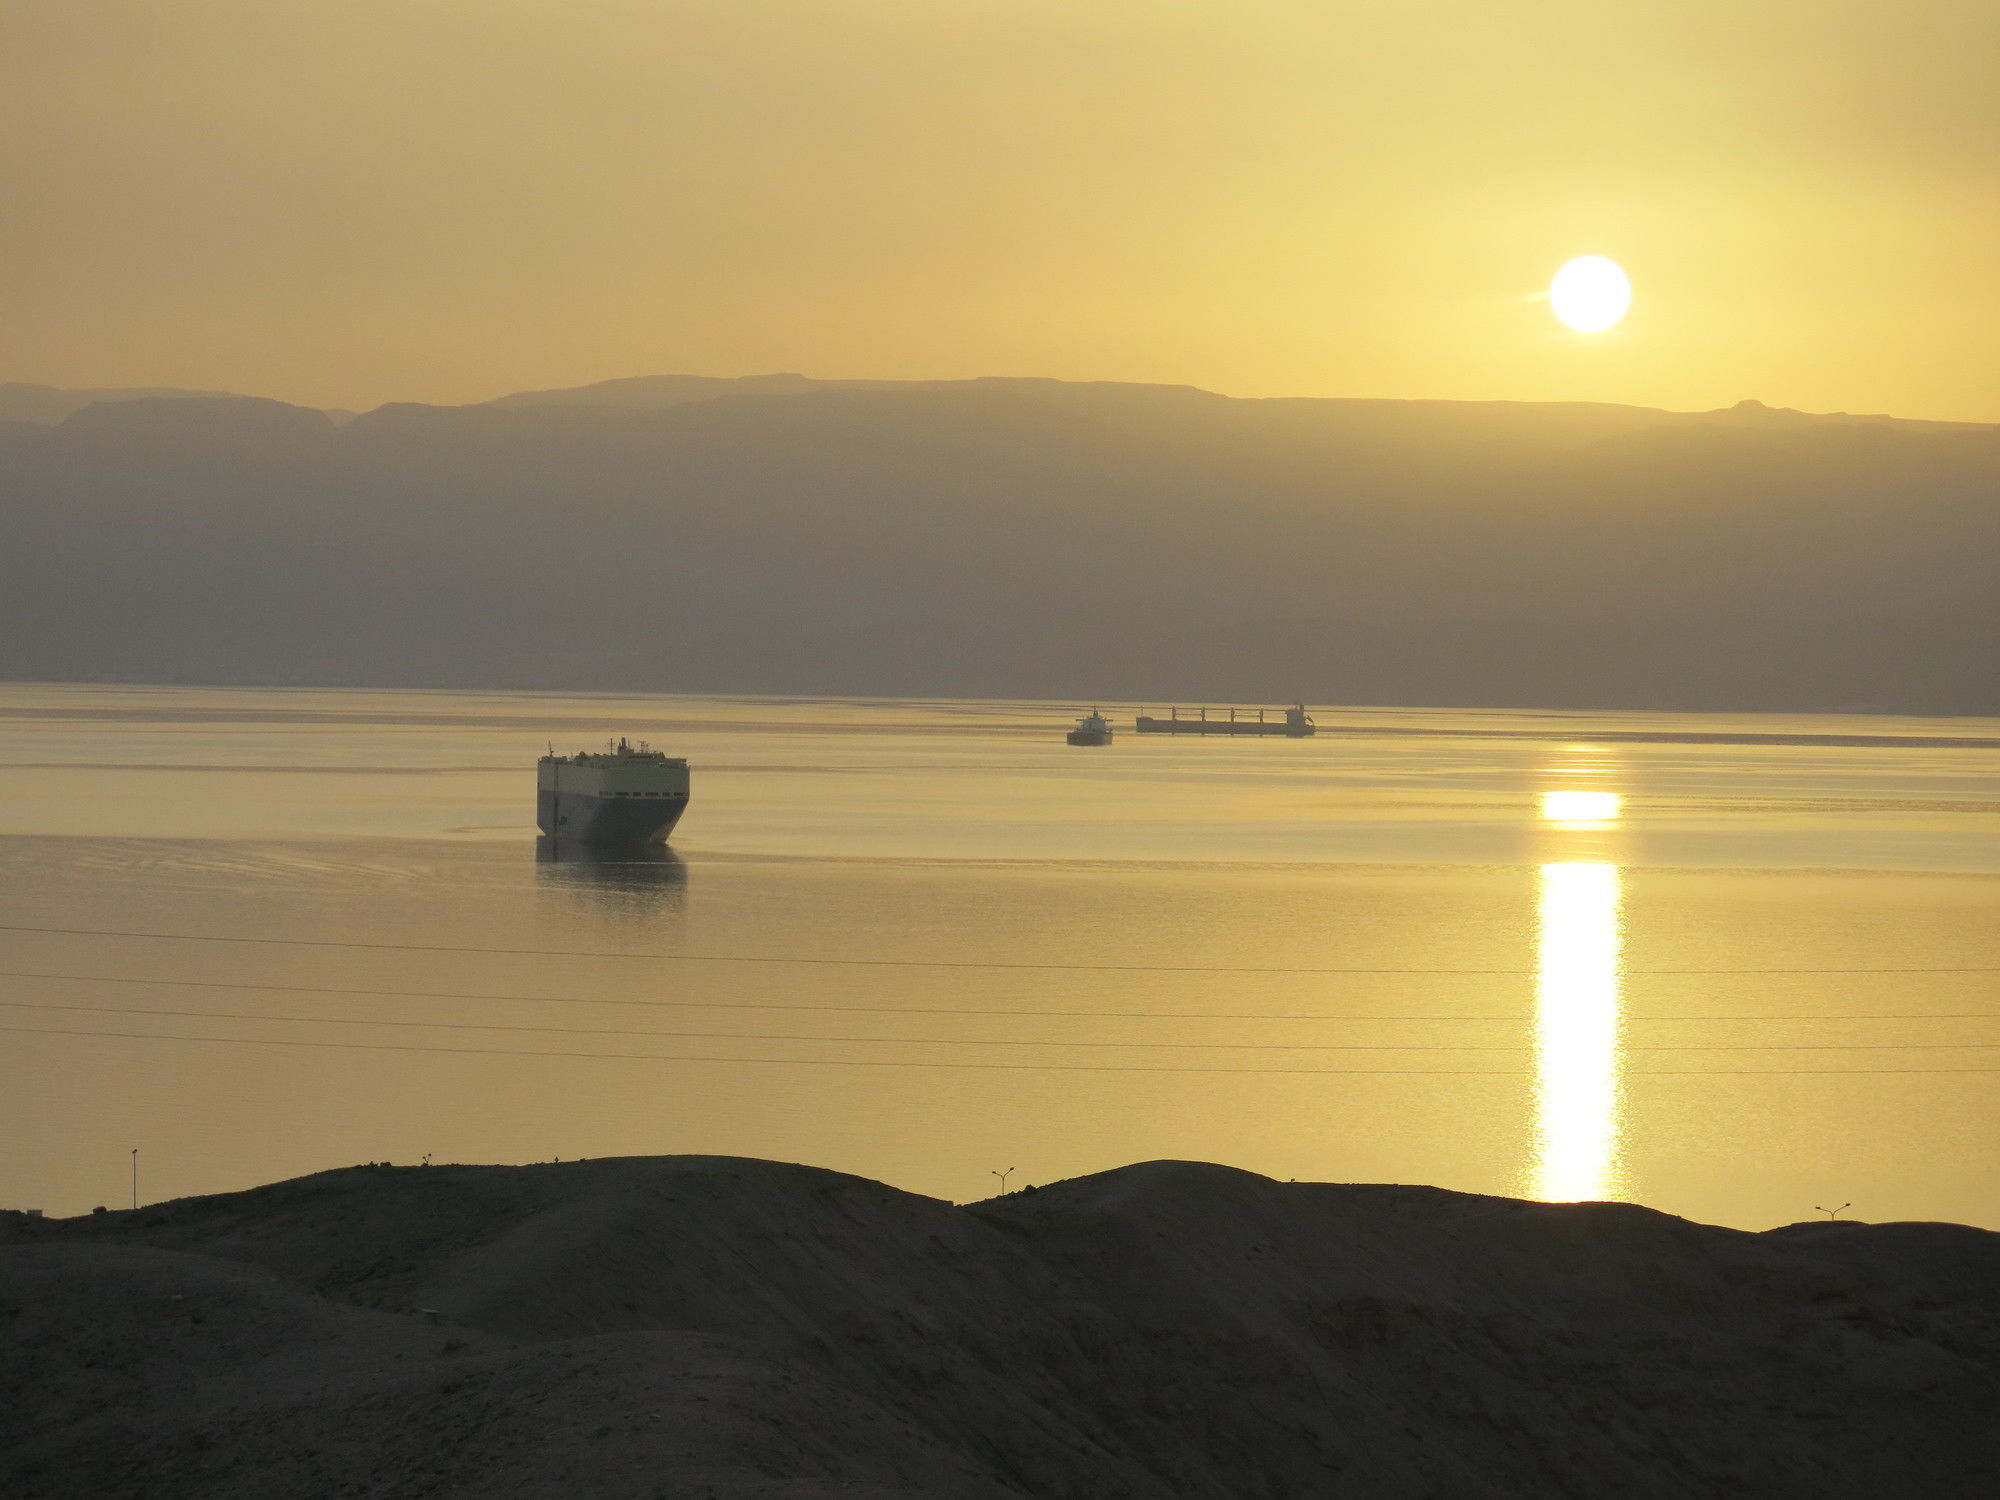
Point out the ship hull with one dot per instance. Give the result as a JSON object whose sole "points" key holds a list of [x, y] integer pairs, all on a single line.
{"points": [[1089, 736], [625, 821], [1224, 726]]}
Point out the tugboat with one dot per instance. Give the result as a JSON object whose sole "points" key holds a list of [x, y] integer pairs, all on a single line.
{"points": [[626, 795], [1092, 729]]}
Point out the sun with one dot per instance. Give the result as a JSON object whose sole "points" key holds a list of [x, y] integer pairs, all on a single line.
{"points": [[1590, 293]]}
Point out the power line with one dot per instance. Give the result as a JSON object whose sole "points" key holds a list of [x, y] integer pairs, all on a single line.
{"points": [[842, 1062], [946, 1041], [925, 963], [921, 1010]]}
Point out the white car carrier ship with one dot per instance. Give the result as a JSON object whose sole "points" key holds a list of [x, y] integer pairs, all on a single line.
{"points": [[624, 794]]}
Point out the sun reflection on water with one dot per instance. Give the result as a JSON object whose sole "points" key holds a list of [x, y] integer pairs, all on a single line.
{"points": [[1573, 809], [1579, 937]]}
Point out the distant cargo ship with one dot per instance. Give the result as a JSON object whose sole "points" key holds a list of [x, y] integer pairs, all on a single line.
{"points": [[624, 794], [1092, 729], [1292, 723]]}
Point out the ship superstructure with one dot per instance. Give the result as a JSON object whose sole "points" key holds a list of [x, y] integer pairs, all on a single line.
{"points": [[623, 794], [1092, 729]]}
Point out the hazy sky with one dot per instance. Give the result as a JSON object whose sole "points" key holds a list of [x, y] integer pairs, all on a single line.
{"points": [[351, 201]]}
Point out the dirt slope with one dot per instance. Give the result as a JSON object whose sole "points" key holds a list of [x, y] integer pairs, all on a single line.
{"points": [[698, 1326]]}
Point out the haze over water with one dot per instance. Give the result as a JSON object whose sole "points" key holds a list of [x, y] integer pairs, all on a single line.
{"points": [[1462, 959]]}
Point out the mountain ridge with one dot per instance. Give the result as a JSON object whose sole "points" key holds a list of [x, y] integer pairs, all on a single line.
{"points": [[44, 405], [1010, 539]]}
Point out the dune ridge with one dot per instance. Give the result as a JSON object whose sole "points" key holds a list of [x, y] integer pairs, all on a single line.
{"points": [[722, 1327]]}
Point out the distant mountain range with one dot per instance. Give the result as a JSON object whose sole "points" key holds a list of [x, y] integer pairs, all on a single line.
{"points": [[1006, 537], [44, 405], [48, 404]]}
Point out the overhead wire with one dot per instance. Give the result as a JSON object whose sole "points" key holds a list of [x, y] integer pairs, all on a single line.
{"points": [[919, 1010], [945, 1041], [929, 963], [845, 1062]]}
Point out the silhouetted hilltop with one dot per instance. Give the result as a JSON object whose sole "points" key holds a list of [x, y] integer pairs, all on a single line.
{"points": [[186, 423], [1168, 1331], [48, 404], [1013, 538], [1557, 421], [658, 392]]}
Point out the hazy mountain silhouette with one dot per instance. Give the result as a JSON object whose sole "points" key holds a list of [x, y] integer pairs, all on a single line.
{"points": [[1556, 421], [658, 392], [1012, 537], [46, 404]]}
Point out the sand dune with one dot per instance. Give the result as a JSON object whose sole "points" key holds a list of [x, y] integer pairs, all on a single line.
{"points": [[700, 1326]]}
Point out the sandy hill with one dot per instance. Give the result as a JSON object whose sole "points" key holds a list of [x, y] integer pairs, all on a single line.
{"points": [[714, 1327]]}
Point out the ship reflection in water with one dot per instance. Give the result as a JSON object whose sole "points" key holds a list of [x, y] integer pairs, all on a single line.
{"points": [[1579, 937], [636, 881]]}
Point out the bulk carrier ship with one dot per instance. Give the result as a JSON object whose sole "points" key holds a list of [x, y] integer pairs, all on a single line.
{"points": [[625, 794], [1292, 723]]}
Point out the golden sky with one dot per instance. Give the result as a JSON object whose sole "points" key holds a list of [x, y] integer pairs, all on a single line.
{"points": [[350, 201]]}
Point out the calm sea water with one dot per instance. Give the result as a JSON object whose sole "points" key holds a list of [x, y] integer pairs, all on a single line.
{"points": [[929, 942]]}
